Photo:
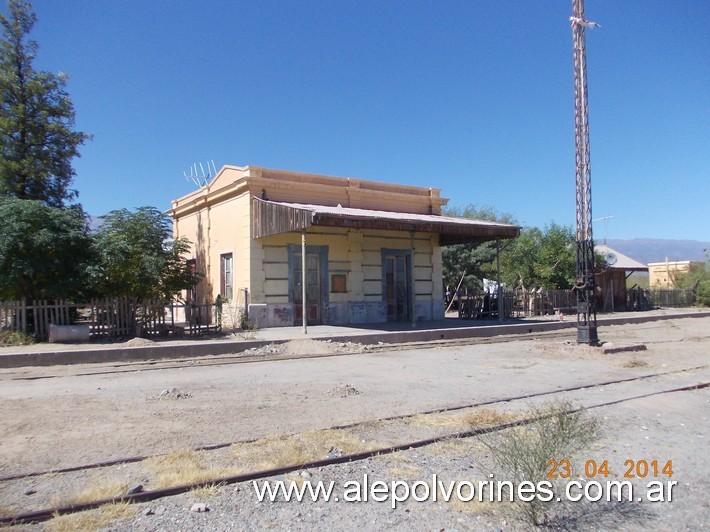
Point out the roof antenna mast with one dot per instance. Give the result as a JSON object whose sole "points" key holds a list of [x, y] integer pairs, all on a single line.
{"points": [[606, 224], [585, 283], [201, 178]]}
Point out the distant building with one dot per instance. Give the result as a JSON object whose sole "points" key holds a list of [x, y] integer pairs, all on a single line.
{"points": [[663, 274], [611, 280], [373, 250]]}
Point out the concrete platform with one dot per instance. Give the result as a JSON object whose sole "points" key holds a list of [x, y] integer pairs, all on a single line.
{"points": [[449, 328]]}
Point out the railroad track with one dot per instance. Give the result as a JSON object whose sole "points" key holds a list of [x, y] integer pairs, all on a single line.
{"points": [[144, 496], [241, 358]]}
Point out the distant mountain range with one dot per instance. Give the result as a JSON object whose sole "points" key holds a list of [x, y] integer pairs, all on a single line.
{"points": [[647, 250]]}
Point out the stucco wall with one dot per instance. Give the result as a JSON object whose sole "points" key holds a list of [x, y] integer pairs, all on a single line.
{"points": [[214, 231], [358, 255], [217, 220], [663, 274]]}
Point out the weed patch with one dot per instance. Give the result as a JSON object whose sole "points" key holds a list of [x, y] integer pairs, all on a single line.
{"points": [[522, 453], [97, 519], [12, 338]]}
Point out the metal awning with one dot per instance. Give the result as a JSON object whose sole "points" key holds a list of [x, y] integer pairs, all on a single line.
{"points": [[273, 217]]}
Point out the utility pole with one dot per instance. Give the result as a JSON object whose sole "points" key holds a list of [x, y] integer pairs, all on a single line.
{"points": [[585, 283]]}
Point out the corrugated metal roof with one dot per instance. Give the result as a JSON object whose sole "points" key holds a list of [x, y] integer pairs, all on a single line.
{"points": [[623, 262], [452, 230]]}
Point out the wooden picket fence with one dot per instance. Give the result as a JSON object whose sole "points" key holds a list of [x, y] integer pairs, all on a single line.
{"points": [[674, 297], [109, 317], [541, 302], [549, 302], [34, 318]]}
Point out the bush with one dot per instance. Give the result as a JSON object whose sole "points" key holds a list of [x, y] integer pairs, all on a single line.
{"points": [[10, 338], [697, 279], [137, 257], [557, 431]]}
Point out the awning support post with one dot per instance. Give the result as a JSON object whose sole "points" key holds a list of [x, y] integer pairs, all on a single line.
{"points": [[304, 263], [413, 282], [499, 297]]}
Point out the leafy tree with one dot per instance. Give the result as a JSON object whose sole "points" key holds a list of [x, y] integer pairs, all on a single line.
{"points": [[44, 242], [477, 260], [544, 258], [37, 139], [44, 250], [519, 263], [538, 258], [698, 279], [541, 258], [136, 256]]}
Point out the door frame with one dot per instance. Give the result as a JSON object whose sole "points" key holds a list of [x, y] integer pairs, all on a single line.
{"points": [[294, 259], [407, 253]]}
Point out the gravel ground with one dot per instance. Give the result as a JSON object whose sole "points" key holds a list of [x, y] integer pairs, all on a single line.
{"points": [[77, 419], [237, 507]]}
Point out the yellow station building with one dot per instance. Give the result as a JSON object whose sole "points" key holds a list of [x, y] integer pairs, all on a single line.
{"points": [[373, 250]]}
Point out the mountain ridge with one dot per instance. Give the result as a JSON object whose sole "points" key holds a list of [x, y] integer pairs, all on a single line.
{"points": [[647, 250]]}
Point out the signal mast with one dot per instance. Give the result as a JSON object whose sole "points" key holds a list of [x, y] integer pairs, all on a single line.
{"points": [[585, 283]]}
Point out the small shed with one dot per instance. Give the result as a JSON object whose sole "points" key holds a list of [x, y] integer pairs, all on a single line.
{"points": [[611, 279]]}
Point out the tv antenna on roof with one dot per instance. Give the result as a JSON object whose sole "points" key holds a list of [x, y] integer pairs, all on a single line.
{"points": [[201, 177], [606, 224]]}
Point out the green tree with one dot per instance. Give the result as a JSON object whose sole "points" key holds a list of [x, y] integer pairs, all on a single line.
{"points": [[519, 264], [44, 251], [697, 279], [136, 256], [544, 258], [541, 258], [537, 258], [476, 260], [37, 137]]}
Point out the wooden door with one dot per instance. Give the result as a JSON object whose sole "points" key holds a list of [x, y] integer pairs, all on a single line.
{"points": [[314, 294]]}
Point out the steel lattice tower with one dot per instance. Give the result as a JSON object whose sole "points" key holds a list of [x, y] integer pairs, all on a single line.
{"points": [[585, 283]]}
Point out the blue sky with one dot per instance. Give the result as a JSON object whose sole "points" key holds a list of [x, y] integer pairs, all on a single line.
{"points": [[473, 97]]}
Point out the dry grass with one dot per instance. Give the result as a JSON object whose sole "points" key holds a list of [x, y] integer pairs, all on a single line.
{"points": [[486, 416], [522, 453], [405, 471], [97, 519], [206, 492], [98, 488], [189, 467], [295, 477], [469, 507], [402, 457], [373, 425], [181, 468], [476, 507], [635, 363], [297, 449], [455, 447], [477, 417]]}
